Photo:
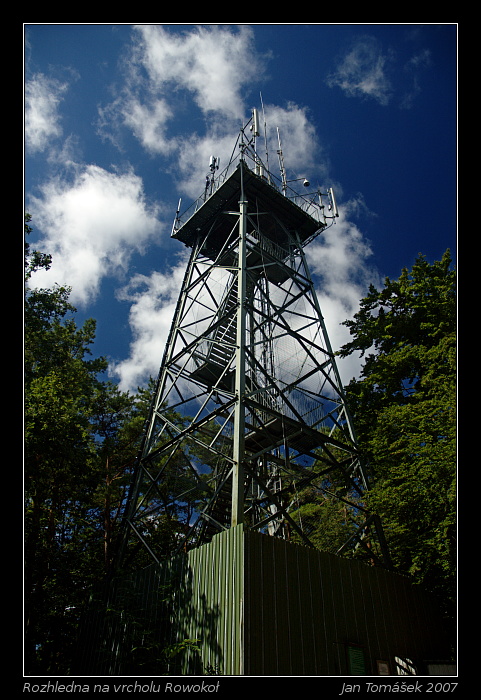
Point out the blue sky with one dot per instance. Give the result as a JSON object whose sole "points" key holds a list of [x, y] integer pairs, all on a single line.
{"points": [[121, 120]]}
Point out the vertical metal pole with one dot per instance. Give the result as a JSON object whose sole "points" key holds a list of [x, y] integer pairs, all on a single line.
{"points": [[239, 412]]}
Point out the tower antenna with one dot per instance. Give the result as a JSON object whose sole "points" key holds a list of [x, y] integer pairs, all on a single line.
{"points": [[281, 163], [255, 134], [265, 140]]}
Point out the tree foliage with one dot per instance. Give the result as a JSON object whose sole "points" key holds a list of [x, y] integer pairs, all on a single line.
{"points": [[81, 435], [405, 412]]}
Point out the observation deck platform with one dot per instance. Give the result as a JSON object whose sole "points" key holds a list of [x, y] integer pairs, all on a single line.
{"points": [[273, 214]]}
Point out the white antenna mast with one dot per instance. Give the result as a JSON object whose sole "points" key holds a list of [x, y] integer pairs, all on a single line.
{"points": [[210, 180], [333, 202], [265, 140], [176, 218], [281, 163], [332, 206], [255, 134]]}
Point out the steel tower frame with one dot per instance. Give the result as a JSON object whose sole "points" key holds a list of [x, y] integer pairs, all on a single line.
{"points": [[248, 407]]}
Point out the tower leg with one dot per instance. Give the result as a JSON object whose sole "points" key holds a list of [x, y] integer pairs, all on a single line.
{"points": [[240, 378]]}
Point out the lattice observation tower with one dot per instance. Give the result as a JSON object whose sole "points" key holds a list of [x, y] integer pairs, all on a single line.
{"points": [[247, 414], [249, 408]]}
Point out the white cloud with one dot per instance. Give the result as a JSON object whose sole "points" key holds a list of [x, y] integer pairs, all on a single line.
{"points": [[213, 63], [168, 74], [91, 227], [153, 300], [299, 140], [42, 120], [149, 123], [363, 71]]}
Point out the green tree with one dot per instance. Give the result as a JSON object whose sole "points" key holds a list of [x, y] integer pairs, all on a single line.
{"points": [[404, 406], [325, 519], [61, 467], [117, 422]]}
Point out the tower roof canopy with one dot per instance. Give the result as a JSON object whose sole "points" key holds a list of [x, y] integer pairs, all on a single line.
{"points": [[263, 200]]}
